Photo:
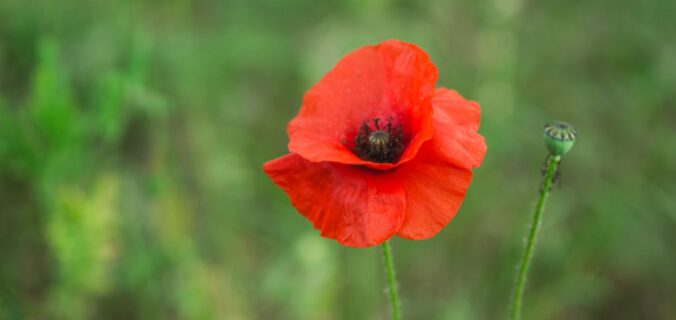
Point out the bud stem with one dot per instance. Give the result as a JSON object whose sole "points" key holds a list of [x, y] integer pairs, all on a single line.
{"points": [[517, 299], [391, 279]]}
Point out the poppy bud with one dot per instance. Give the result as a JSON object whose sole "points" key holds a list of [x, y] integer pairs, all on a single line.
{"points": [[559, 137]]}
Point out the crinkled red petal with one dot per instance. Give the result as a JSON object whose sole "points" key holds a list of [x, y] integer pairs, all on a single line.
{"points": [[456, 122], [434, 190], [390, 79], [355, 206]]}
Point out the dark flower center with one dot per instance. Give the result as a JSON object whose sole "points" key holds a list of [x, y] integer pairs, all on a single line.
{"points": [[379, 142]]}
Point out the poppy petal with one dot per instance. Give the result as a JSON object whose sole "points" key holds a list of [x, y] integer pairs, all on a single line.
{"points": [[390, 79], [356, 207], [434, 190], [456, 122]]}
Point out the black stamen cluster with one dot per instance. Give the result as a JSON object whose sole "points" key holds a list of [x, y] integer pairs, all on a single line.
{"points": [[379, 142]]}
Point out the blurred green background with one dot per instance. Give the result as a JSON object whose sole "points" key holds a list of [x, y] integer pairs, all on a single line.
{"points": [[132, 135]]}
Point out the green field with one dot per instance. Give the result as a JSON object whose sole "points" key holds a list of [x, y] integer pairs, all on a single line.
{"points": [[132, 135]]}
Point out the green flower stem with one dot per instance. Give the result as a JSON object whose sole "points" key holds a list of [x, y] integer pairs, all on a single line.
{"points": [[391, 279], [517, 299]]}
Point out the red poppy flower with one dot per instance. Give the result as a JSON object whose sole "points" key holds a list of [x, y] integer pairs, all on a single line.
{"points": [[377, 151]]}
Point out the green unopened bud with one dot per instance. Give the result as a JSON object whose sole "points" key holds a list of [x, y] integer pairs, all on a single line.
{"points": [[559, 137]]}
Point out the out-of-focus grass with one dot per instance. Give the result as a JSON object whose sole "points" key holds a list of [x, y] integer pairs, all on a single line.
{"points": [[132, 135]]}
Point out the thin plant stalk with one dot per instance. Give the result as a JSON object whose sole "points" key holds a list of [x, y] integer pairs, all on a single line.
{"points": [[391, 280], [517, 300]]}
